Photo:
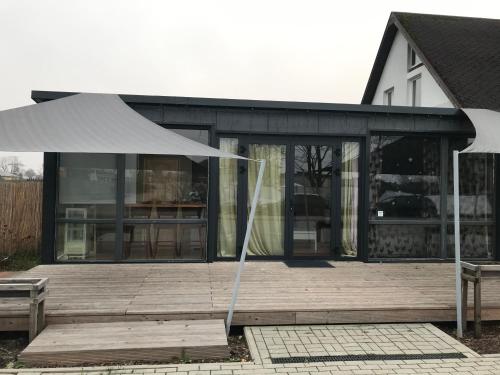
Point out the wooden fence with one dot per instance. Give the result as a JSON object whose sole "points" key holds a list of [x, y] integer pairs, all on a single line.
{"points": [[20, 216]]}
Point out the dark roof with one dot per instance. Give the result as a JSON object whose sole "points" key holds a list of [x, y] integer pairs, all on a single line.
{"points": [[461, 53], [41, 96]]}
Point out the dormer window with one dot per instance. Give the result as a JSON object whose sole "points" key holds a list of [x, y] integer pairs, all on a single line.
{"points": [[413, 59]]}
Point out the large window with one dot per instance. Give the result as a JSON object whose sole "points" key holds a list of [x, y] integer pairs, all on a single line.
{"points": [[161, 201], [404, 196], [165, 207], [477, 202], [86, 198], [404, 177], [411, 198]]}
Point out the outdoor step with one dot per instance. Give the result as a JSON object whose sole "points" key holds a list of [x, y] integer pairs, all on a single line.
{"points": [[126, 342]]}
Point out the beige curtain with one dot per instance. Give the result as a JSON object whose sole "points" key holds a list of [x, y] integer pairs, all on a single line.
{"points": [[228, 185], [268, 228], [349, 210]]}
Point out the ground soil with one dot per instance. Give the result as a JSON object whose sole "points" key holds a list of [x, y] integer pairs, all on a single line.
{"points": [[12, 343], [489, 343]]}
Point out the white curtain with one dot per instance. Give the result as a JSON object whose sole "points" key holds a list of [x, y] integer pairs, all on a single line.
{"points": [[349, 209], [268, 228], [228, 187]]}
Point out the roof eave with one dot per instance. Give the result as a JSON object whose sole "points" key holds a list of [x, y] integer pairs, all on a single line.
{"points": [[380, 60]]}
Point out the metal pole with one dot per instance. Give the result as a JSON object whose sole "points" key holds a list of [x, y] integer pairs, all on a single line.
{"points": [[456, 215], [236, 285]]}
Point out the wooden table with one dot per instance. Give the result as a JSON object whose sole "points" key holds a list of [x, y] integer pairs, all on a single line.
{"points": [[474, 273]]}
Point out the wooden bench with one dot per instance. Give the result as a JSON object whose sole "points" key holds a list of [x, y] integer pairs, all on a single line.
{"points": [[34, 291], [474, 273]]}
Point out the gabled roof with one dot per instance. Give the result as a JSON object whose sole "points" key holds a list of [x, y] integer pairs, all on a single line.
{"points": [[461, 53]]}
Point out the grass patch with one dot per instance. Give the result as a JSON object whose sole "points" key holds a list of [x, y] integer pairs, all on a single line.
{"points": [[19, 261]]}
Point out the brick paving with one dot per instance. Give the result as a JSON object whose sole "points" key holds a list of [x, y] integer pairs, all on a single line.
{"points": [[266, 343], [317, 339]]}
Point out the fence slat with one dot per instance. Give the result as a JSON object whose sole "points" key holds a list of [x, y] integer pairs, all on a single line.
{"points": [[20, 216]]}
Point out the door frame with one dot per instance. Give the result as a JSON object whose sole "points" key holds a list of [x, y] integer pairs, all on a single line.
{"points": [[244, 140]]}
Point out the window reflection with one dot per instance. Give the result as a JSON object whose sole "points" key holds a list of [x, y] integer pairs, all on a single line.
{"points": [[404, 241], [85, 241], [87, 186], [476, 241], [404, 177], [476, 182], [164, 241], [165, 187], [312, 188]]}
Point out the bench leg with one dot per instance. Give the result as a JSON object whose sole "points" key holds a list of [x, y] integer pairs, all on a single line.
{"points": [[33, 321], [477, 309], [465, 285], [41, 317]]}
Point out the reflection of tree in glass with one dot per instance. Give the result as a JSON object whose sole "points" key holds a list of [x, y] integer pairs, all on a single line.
{"points": [[315, 163]]}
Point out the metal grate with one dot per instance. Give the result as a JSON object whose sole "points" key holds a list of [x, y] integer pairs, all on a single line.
{"points": [[367, 357]]}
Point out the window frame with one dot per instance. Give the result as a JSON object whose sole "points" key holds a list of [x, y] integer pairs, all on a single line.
{"points": [[412, 60], [442, 220], [415, 91], [389, 96], [119, 220]]}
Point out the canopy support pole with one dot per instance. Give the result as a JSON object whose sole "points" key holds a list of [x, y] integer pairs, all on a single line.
{"points": [[458, 270], [253, 207]]}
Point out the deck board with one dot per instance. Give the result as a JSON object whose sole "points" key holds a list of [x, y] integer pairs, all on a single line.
{"points": [[120, 342], [271, 293]]}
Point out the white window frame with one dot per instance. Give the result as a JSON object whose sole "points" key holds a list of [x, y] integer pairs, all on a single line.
{"points": [[389, 96], [415, 91], [413, 60]]}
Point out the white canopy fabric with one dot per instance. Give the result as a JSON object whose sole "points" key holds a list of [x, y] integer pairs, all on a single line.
{"points": [[92, 123], [487, 125], [103, 123]]}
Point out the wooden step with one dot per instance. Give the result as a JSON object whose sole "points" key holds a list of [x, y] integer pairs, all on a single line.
{"points": [[125, 342]]}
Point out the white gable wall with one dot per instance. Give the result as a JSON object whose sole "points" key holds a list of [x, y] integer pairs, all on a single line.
{"points": [[395, 74]]}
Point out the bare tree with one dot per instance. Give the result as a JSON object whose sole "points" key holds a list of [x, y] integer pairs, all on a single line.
{"points": [[315, 162]]}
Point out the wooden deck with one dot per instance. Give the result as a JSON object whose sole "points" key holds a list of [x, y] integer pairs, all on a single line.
{"points": [[271, 293], [125, 342]]}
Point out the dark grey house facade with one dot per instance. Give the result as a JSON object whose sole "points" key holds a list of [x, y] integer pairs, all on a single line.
{"points": [[344, 182]]}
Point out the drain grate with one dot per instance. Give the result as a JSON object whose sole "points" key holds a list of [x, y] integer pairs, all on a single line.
{"points": [[366, 357]]}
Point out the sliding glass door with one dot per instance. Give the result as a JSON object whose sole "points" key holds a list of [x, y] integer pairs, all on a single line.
{"points": [[268, 236], [309, 200], [325, 200], [312, 200]]}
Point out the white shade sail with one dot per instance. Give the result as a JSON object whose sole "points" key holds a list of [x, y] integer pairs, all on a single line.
{"points": [[487, 125], [92, 123]]}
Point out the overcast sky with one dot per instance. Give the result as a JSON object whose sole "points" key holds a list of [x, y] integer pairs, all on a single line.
{"points": [[279, 50]]}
